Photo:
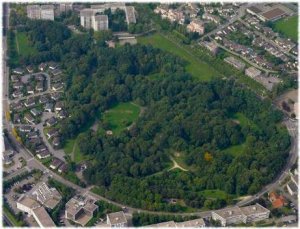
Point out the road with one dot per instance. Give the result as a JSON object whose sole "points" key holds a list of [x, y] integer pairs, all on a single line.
{"points": [[270, 41], [245, 59], [241, 13]]}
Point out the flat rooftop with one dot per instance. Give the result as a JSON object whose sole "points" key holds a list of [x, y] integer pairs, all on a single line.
{"points": [[274, 13], [43, 217]]}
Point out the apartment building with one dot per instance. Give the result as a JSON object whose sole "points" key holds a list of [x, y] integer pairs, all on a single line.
{"points": [[80, 209], [196, 26], [116, 219], [32, 207], [236, 215]]}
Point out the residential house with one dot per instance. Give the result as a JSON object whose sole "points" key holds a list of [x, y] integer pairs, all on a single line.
{"points": [[277, 201], [56, 141], [18, 71], [62, 114], [56, 96], [17, 106], [56, 162], [49, 107], [35, 112], [39, 86], [56, 72], [63, 168], [40, 148], [25, 129], [30, 102], [116, 219], [39, 77], [16, 118], [35, 142], [44, 154], [18, 85], [28, 118], [14, 78], [30, 90], [32, 135], [42, 66], [17, 94], [43, 99], [53, 65], [52, 121], [58, 106], [52, 133], [57, 87], [30, 68]]}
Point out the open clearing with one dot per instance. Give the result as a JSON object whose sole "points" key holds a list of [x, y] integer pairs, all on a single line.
{"points": [[235, 150], [176, 166], [215, 194], [121, 116], [289, 27], [195, 67], [23, 45]]}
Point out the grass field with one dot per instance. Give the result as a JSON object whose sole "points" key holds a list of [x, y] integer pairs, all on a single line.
{"points": [[121, 116], [23, 46], [244, 121], [235, 150], [215, 194], [288, 27], [195, 67]]}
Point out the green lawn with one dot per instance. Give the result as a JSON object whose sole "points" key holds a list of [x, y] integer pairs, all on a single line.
{"points": [[244, 121], [235, 150], [215, 194], [289, 27], [195, 67], [68, 147], [121, 116], [23, 45]]}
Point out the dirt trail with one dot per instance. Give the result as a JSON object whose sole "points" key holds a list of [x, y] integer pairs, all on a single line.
{"points": [[177, 166]]}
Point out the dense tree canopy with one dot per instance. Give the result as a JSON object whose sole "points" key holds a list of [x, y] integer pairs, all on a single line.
{"points": [[182, 116]]}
